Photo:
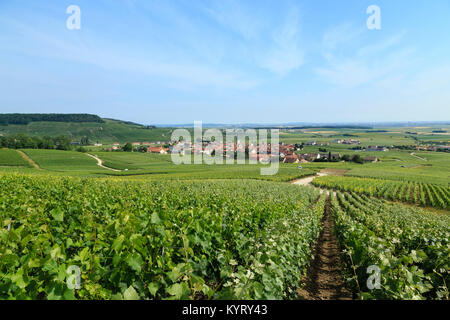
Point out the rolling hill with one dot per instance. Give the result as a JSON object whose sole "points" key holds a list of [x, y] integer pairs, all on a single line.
{"points": [[108, 131]]}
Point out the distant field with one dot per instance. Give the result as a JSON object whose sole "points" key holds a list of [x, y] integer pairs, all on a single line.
{"points": [[151, 229], [132, 160], [157, 166], [147, 166], [12, 158], [106, 133], [435, 170], [394, 165], [425, 167], [424, 194], [63, 161], [378, 136]]}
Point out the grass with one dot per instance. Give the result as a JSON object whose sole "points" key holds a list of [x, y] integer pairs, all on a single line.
{"points": [[12, 158], [394, 165], [63, 161], [147, 166], [107, 133]]}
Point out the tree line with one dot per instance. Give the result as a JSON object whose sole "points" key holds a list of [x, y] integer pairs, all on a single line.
{"points": [[22, 141], [21, 118]]}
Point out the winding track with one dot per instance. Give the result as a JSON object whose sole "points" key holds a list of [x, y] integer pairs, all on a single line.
{"points": [[416, 156], [307, 181], [100, 163]]}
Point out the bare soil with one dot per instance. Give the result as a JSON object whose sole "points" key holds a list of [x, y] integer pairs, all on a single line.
{"points": [[324, 280], [334, 171]]}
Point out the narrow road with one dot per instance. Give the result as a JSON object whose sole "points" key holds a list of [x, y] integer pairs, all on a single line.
{"points": [[29, 160], [307, 181], [324, 279], [100, 163], [414, 155]]}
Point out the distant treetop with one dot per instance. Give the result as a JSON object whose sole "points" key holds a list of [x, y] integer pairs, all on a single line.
{"points": [[25, 118]]}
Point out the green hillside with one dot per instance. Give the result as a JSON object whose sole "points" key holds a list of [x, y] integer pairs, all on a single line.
{"points": [[109, 131]]}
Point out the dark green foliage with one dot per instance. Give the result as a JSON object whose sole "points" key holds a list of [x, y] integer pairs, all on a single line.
{"points": [[357, 159], [25, 118], [128, 147], [22, 141], [84, 141]]}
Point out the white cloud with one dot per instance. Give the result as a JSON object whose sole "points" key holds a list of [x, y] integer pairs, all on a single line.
{"points": [[341, 34], [173, 72], [271, 44], [237, 18], [350, 64], [285, 54]]}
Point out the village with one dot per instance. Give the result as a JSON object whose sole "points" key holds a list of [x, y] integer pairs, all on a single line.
{"points": [[287, 153]]}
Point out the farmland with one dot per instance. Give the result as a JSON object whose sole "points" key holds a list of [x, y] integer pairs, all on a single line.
{"points": [[411, 192], [154, 240], [204, 158], [211, 239], [143, 165], [11, 158], [62, 161], [108, 132], [150, 229], [409, 246]]}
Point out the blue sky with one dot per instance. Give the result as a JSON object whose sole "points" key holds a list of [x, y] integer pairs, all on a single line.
{"points": [[227, 61]]}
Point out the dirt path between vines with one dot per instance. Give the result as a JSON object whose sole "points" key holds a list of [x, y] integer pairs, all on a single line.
{"points": [[324, 280], [29, 160], [307, 180]]}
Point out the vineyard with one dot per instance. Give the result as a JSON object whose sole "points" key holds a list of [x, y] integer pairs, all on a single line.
{"points": [[154, 240], [12, 158], [423, 194], [220, 239], [408, 245]]}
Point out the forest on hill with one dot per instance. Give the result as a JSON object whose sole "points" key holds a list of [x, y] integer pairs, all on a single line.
{"points": [[26, 118]]}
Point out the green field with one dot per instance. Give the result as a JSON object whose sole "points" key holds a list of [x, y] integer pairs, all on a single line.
{"points": [[424, 194], [409, 246], [145, 165], [107, 133], [379, 136], [63, 161], [424, 167], [220, 239], [11, 158], [150, 229], [393, 165], [235, 239]]}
